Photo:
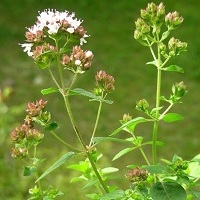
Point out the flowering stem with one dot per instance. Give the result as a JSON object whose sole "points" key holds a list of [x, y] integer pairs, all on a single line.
{"points": [[67, 104], [156, 122], [62, 141], [163, 114], [69, 111], [59, 66], [73, 81], [54, 79], [141, 150], [96, 123], [97, 173]]}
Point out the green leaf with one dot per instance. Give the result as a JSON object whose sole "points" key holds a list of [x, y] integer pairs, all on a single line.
{"points": [[167, 191], [109, 170], [194, 169], [156, 169], [90, 183], [78, 179], [123, 152], [152, 63], [196, 158], [98, 140], [197, 194], [165, 35], [117, 194], [29, 170], [172, 117], [131, 124], [49, 90], [82, 92], [81, 167], [57, 164], [51, 126], [173, 68]]}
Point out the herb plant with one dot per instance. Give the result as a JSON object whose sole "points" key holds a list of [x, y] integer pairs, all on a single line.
{"points": [[55, 44]]}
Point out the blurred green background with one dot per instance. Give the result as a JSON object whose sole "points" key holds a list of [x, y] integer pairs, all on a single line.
{"points": [[111, 25]]}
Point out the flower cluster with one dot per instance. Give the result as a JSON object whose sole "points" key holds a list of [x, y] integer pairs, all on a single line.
{"points": [[137, 175], [50, 22], [142, 105], [80, 59], [51, 34], [178, 91], [104, 82], [148, 29], [25, 135]]}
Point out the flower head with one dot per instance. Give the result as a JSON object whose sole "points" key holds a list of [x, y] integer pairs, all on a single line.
{"points": [[137, 175], [104, 82], [50, 22], [78, 58]]}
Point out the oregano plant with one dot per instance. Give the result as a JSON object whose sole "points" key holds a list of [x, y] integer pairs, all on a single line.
{"points": [[55, 43]]}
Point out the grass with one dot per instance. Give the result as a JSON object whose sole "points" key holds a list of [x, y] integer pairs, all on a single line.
{"points": [[111, 28]]}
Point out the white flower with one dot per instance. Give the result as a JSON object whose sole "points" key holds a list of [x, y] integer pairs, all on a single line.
{"points": [[27, 48], [77, 62], [52, 20], [88, 54], [70, 30]]}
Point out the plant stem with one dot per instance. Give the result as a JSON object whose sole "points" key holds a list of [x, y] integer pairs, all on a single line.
{"points": [[54, 79], [97, 173], [59, 66], [96, 122], [73, 81], [69, 111], [163, 114], [156, 122], [141, 150], [67, 104], [65, 143]]}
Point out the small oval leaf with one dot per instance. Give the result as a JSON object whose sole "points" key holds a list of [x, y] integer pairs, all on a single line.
{"points": [[172, 117], [49, 90], [174, 68], [122, 152], [51, 126]]}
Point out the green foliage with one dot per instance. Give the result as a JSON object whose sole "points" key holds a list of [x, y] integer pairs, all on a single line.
{"points": [[168, 191], [92, 96], [57, 164]]}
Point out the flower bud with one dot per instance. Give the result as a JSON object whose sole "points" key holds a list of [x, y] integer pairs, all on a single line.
{"points": [[137, 175], [33, 137], [179, 89], [65, 59], [19, 152], [142, 105], [142, 26], [104, 81], [79, 59], [19, 133], [163, 49], [173, 20], [176, 46], [127, 117], [34, 108], [154, 14]]}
